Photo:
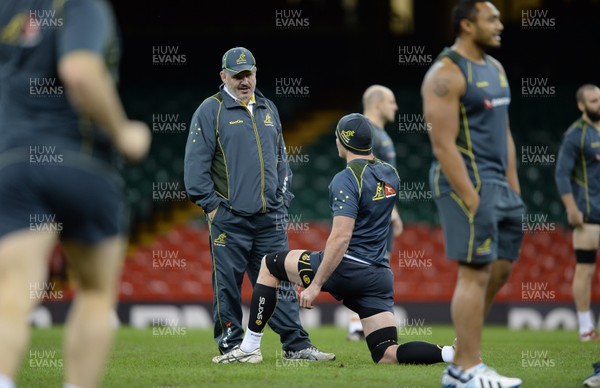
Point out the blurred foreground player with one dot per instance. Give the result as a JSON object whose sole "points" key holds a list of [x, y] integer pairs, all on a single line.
{"points": [[474, 180], [578, 180], [61, 126], [353, 267]]}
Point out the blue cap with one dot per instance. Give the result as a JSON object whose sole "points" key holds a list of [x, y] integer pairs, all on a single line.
{"points": [[238, 59]]}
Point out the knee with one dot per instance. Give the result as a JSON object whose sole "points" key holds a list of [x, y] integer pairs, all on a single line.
{"points": [[274, 264], [379, 343]]}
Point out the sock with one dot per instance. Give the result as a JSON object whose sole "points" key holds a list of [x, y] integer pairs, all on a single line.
{"points": [[251, 341], [472, 369], [6, 382], [419, 352], [354, 324], [264, 300], [67, 385], [585, 321], [447, 353]]}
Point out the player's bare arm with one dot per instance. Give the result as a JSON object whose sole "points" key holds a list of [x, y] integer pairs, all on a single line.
{"points": [[91, 89], [397, 225], [336, 246], [511, 171], [442, 89]]}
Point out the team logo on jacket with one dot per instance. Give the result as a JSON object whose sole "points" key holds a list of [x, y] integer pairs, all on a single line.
{"points": [[220, 241], [268, 121], [384, 190]]}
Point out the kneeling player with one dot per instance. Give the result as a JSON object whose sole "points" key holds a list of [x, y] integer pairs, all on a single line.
{"points": [[353, 267]]}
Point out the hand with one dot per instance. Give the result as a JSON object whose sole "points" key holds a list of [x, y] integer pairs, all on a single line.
{"points": [[211, 214], [133, 140], [472, 203], [575, 217], [308, 296]]}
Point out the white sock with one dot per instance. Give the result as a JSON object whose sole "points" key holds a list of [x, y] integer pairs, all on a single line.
{"points": [[6, 382], [472, 369], [585, 321], [67, 385], [447, 353], [251, 341], [354, 325]]}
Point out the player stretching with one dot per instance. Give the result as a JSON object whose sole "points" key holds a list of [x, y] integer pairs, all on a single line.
{"points": [[354, 267], [474, 180], [379, 106]]}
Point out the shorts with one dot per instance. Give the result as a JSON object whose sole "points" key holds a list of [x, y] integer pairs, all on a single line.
{"points": [[78, 197], [495, 231], [360, 287]]}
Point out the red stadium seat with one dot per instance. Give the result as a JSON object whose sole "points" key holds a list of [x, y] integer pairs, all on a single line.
{"points": [[545, 257]]}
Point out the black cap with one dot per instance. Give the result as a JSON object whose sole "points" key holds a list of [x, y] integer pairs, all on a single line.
{"points": [[354, 132]]}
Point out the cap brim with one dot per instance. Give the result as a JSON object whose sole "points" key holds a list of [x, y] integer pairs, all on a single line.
{"points": [[239, 69]]}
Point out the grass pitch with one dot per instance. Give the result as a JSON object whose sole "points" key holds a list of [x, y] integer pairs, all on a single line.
{"points": [[182, 358]]}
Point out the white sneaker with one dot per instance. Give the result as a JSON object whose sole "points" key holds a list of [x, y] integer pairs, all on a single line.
{"points": [[311, 354], [594, 380], [482, 377], [238, 355]]}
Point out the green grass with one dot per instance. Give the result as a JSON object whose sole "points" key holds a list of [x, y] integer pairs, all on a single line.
{"points": [[141, 359]]}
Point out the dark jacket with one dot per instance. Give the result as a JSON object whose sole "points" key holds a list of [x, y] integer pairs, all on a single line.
{"points": [[237, 159]]}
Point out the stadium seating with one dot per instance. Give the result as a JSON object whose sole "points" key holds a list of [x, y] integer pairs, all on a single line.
{"points": [[546, 258]]}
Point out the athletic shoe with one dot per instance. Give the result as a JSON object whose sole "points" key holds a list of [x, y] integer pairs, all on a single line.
{"points": [[593, 380], [238, 355], [356, 336], [589, 336], [482, 377], [311, 354]]}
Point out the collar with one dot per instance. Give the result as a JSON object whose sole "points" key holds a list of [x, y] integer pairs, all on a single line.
{"points": [[251, 102]]}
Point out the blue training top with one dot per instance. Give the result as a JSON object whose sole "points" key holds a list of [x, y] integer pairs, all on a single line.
{"points": [[578, 168], [366, 190], [34, 108], [383, 146]]}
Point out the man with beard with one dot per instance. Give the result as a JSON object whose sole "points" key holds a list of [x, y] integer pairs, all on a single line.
{"points": [[578, 180], [236, 169], [474, 180]]}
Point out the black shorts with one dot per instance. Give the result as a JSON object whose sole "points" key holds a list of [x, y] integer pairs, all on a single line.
{"points": [[362, 288], [74, 195]]}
